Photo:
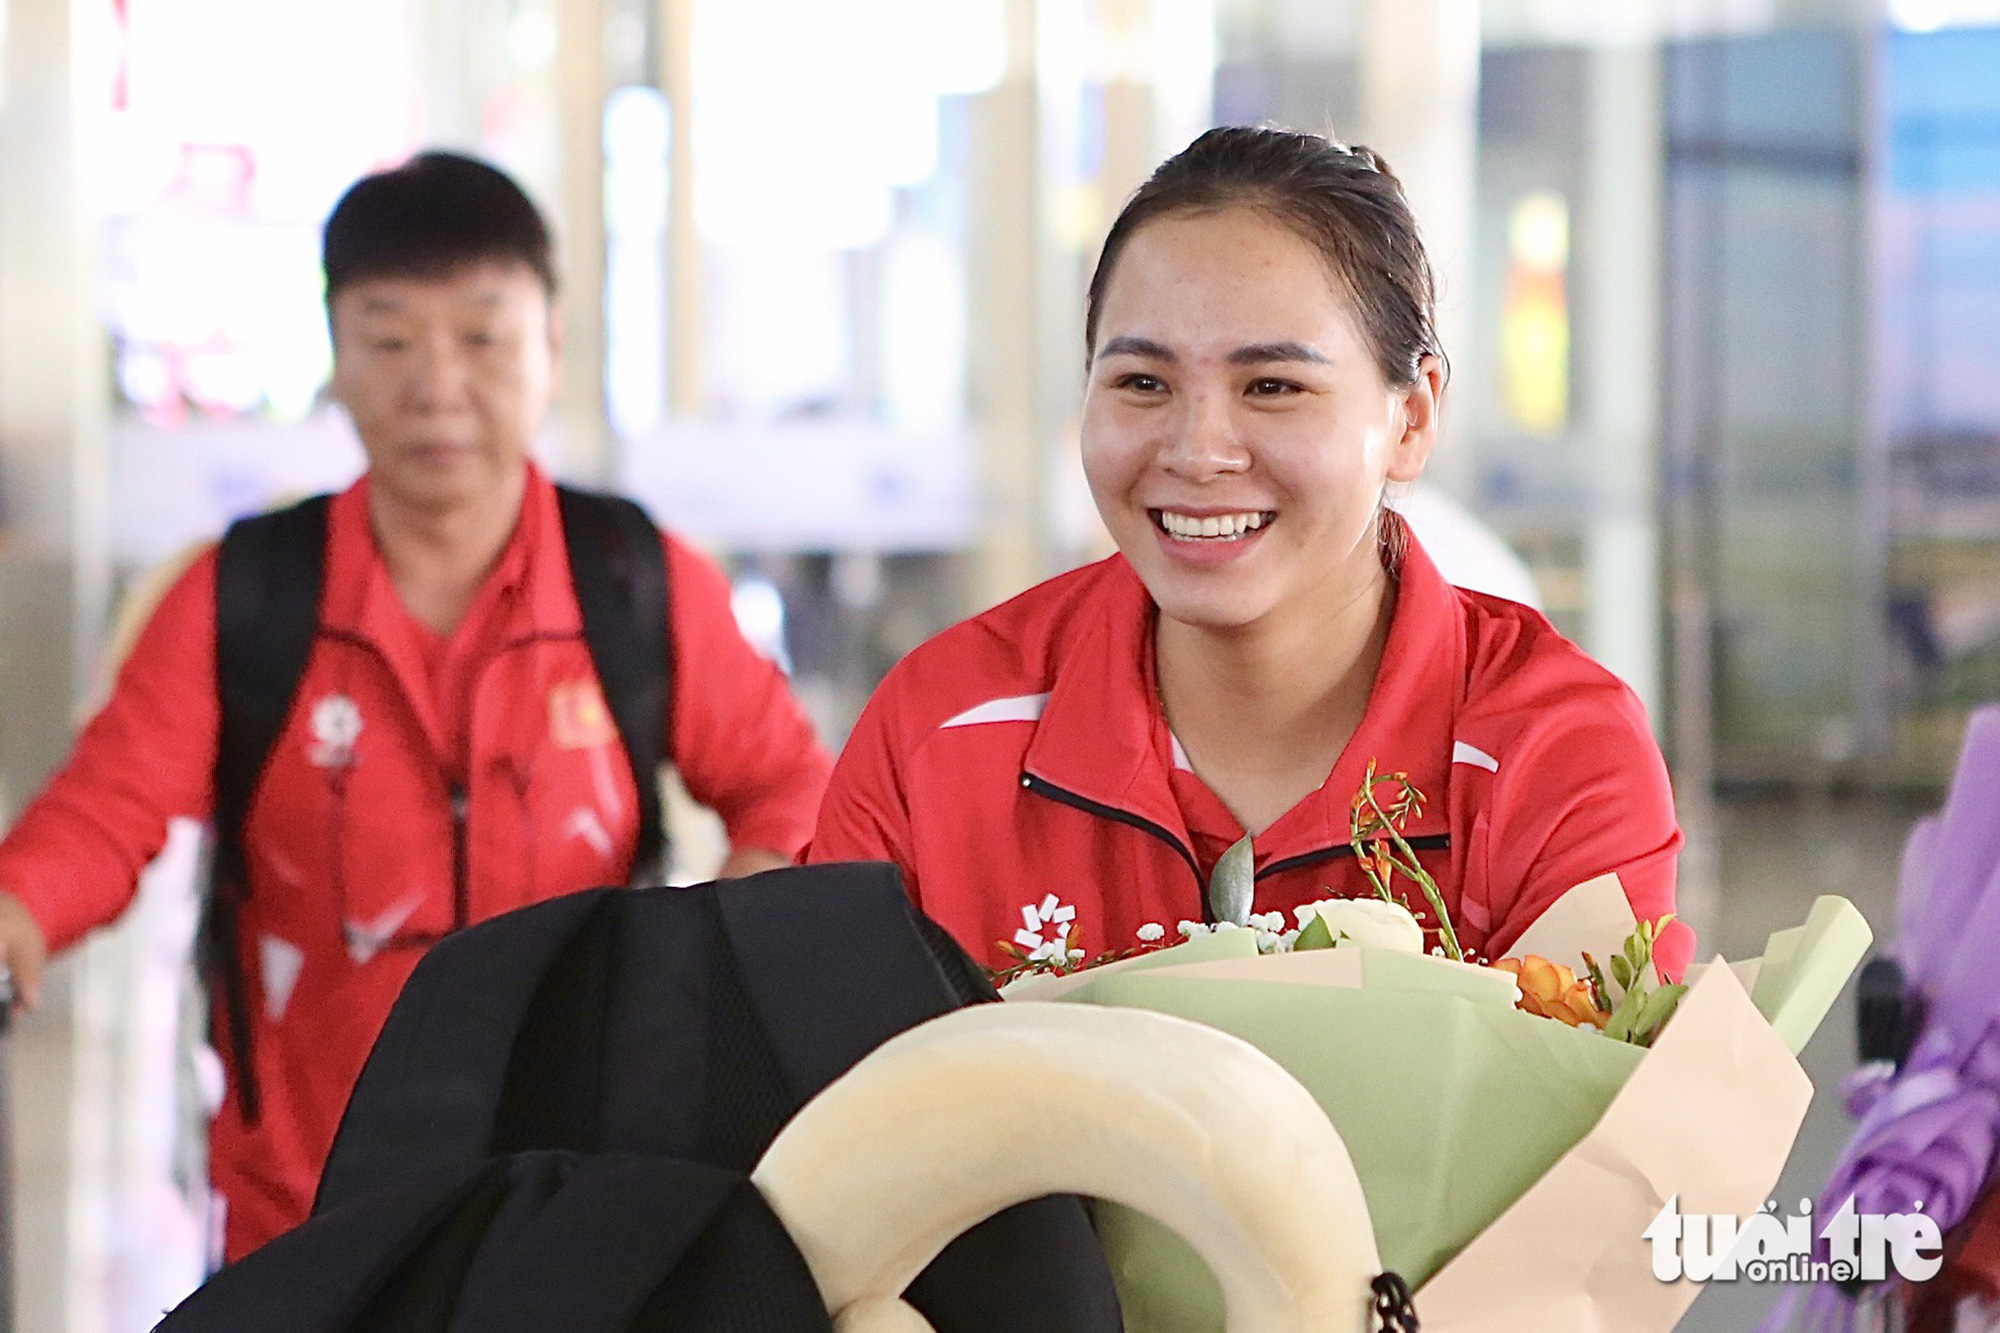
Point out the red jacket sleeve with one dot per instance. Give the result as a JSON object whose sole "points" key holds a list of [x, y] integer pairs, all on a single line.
{"points": [[743, 745], [75, 855], [1587, 796], [866, 814]]}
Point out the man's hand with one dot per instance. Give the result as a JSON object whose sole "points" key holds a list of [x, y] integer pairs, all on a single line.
{"points": [[750, 861], [23, 948]]}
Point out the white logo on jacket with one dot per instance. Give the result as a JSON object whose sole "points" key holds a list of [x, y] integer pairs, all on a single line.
{"points": [[282, 962], [336, 725], [584, 823], [1053, 916], [366, 938]]}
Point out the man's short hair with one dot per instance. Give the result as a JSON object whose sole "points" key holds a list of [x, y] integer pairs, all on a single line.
{"points": [[433, 215]]}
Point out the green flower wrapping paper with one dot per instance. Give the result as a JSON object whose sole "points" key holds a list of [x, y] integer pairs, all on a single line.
{"points": [[1510, 1162]]}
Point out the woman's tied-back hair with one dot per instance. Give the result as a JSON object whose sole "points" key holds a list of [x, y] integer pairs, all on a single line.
{"points": [[1343, 201], [433, 215]]}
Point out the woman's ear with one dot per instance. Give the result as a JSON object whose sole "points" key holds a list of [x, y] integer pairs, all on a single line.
{"points": [[1422, 402]]}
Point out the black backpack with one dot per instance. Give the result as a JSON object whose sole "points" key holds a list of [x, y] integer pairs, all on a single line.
{"points": [[614, 1243], [665, 1024], [269, 576]]}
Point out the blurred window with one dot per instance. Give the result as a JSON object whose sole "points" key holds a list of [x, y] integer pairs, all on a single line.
{"points": [[1937, 252], [232, 127]]}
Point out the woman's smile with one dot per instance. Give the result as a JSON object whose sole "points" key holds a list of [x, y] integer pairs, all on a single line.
{"points": [[1203, 536], [1188, 525]]}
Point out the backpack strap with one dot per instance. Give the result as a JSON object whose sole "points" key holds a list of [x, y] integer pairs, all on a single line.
{"points": [[619, 569], [431, 1092], [267, 588]]}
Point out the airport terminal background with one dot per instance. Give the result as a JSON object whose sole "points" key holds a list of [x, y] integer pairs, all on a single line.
{"points": [[1720, 281]]}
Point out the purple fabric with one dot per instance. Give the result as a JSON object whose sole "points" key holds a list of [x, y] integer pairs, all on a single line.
{"points": [[1964, 853], [1964, 1001], [1928, 1138], [1928, 1131]]}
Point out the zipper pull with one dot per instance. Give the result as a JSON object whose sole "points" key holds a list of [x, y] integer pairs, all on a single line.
{"points": [[461, 886]]}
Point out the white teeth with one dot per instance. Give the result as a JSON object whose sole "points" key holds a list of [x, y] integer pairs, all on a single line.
{"points": [[1219, 526]]}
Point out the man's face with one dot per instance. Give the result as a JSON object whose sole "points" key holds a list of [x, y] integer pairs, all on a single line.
{"points": [[448, 378]]}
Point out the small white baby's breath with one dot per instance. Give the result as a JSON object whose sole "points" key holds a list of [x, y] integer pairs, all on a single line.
{"points": [[1152, 931]]}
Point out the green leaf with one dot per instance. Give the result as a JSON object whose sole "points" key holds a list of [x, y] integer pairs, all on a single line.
{"points": [[1626, 1016], [1654, 1013], [1621, 971], [1600, 994], [1233, 887], [1315, 935]]}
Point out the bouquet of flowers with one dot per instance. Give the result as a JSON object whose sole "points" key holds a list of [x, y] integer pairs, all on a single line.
{"points": [[1516, 1128]]}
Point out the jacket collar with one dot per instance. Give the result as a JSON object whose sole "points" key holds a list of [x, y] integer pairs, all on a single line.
{"points": [[527, 596], [1095, 738], [1097, 735], [358, 596]]}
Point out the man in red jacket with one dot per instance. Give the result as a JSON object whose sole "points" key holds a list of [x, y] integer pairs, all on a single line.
{"points": [[448, 755]]}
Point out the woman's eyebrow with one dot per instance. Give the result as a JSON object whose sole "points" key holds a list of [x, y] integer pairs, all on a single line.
{"points": [[1257, 354], [1127, 345]]}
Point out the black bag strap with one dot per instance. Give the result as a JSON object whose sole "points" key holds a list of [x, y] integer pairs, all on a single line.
{"points": [[268, 577], [430, 1091], [619, 569]]}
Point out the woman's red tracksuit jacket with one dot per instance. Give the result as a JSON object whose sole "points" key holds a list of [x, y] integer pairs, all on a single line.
{"points": [[352, 840], [1019, 769]]}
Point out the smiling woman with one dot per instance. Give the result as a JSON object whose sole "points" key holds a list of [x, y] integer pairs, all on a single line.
{"points": [[1262, 366], [1238, 433]]}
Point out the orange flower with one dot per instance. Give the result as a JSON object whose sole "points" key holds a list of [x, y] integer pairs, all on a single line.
{"points": [[1550, 990]]}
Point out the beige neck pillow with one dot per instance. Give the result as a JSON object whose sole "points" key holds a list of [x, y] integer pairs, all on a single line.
{"points": [[992, 1105]]}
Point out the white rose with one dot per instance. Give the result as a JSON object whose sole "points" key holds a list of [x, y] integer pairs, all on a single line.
{"points": [[1385, 925]]}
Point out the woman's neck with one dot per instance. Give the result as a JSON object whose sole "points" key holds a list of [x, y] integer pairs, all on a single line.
{"points": [[438, 557], [1264, 710]]}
